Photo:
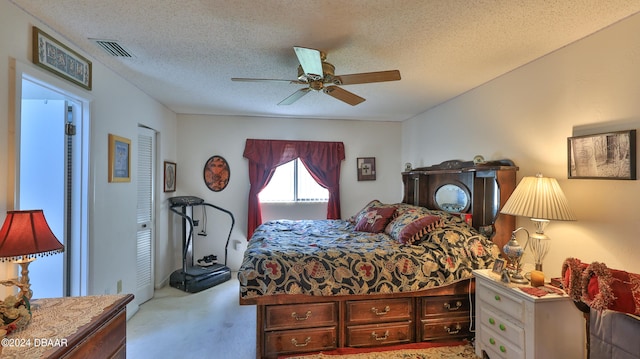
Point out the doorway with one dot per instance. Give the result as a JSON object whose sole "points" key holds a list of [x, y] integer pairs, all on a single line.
{"points": [[52, 175]]}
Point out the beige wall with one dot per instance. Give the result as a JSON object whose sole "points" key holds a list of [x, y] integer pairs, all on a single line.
{"points": [[116, 107], [590, 86], [200, 137]]}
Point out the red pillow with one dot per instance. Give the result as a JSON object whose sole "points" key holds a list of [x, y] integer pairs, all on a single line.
{"points": [[414, 231], [375, 219]]}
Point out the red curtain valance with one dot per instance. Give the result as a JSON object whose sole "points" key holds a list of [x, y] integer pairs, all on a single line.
{"points": [[322, 160]]}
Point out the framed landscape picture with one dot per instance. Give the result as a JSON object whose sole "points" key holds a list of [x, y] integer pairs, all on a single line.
{"points": [[603, 156]]}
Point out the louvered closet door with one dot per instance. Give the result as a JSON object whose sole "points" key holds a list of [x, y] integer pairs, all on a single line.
{"points": [[145, 215]]}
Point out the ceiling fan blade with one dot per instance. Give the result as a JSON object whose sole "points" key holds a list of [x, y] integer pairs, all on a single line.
{"points": [[310, 60], [242, 79], [367, 77], [294, 96], [343, 95]]}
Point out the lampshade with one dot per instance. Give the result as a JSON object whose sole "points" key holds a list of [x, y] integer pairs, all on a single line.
{"points": [[26, 235], [539, 197]]}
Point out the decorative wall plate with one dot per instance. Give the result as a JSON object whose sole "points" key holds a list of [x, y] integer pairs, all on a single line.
{"points": [[216, 173]]}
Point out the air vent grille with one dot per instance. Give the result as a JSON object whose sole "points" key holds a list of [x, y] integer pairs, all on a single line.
{"points": [[113, 48]]}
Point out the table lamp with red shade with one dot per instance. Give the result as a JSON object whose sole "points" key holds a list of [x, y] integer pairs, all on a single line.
{"points": [[24, 236]]}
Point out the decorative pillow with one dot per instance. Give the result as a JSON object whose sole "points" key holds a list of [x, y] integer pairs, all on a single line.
{"points": [[371, 205], [410, 226], [404, 207], [375, 219], [403, 217]]}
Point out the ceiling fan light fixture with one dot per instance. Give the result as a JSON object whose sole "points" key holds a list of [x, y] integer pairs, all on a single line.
{"points": [[319, 75], [316, 85]]}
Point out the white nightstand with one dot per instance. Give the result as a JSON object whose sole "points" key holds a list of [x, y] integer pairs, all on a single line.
{"points": [[513, 324]]}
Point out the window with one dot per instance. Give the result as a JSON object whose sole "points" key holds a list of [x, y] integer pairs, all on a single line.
{"points": [[291, 182]]}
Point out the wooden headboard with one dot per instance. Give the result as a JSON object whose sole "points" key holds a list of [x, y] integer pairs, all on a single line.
{"points": [[485, 187]]}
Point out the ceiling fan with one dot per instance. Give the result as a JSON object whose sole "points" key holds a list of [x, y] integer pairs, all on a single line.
{"points": [[315, 72]]}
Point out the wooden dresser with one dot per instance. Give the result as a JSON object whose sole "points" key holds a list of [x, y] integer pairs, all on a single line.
{"points": [[360, 321], [72, 327]]}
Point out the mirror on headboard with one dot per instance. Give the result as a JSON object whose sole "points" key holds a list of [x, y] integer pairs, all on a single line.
{"points": [[453, 198]]}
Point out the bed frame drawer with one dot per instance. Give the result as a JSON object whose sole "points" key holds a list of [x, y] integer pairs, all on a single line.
{"points": [[301, 315], [450, 328], [379, 310], [380, 334], [444, 306], [298, 341]]}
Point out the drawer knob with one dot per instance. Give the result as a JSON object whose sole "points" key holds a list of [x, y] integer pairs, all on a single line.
{"points": [[377, 312], [503, 349], [502, 327], [492, 341], [306, 316], [497, 297], [451, 308], [492, 321], [296, 344], [376, 337], [454, 331]]}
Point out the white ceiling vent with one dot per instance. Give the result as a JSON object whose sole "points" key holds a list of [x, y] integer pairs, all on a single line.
{"points": [[113, 48]]}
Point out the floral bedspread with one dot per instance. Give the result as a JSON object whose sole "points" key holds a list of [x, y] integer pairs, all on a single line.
{"points": [[328, 257]]}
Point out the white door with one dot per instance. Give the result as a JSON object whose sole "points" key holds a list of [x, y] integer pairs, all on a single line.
{"points": [[145, 215], [52, 176]]}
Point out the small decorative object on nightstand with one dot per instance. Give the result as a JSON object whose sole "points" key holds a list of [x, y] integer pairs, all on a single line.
{"points": [[513, 324], [514, 252], [537, 278]]}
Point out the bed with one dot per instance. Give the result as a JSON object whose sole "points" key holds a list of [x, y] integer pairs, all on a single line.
{"points": [[390, 274]]}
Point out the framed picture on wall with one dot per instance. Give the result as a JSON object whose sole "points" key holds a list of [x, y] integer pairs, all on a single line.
{"points": [[603, 156], [366, 168], [170, 176], [54, 56], [119, 159], [216, 173]]}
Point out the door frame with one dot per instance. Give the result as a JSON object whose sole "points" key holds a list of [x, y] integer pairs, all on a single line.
{"points": [[18, 72]]}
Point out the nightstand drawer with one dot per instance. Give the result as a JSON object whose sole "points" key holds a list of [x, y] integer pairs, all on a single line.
{"points": [[502, 327], [379, 310], [300, 316], [507, 304], [380, 334], [493, 342]]}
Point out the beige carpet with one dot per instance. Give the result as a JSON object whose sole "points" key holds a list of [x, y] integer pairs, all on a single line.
{"points": [[205, 325], [444, 352]]}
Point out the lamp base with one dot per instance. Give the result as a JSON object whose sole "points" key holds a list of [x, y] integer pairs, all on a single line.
{"points": [[517, 278], [24, 283]]}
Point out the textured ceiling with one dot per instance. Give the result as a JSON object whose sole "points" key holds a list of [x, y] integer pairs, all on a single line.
{"points": [[185, 52]]}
